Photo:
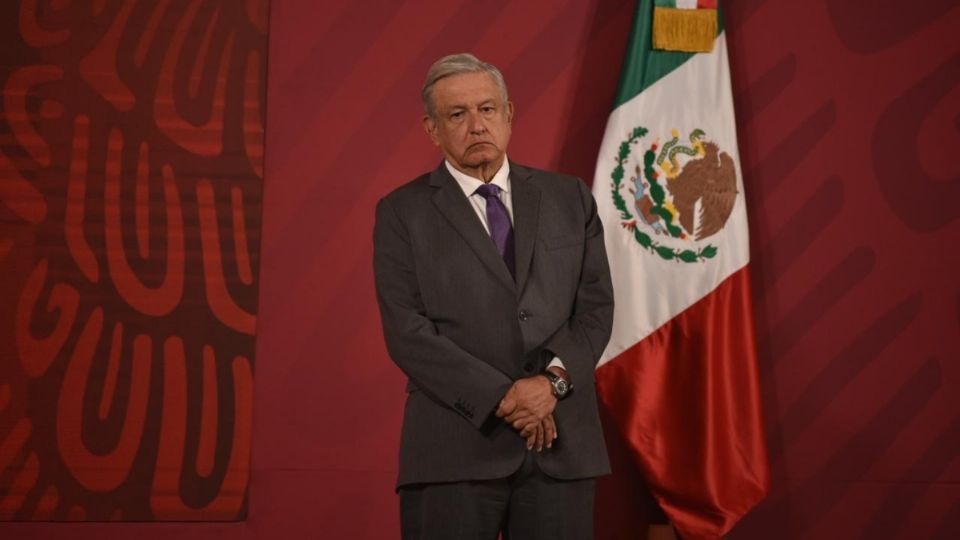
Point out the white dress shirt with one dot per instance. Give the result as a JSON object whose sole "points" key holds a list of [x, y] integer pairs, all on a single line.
{"points": [[501, 179], [470, 184]]}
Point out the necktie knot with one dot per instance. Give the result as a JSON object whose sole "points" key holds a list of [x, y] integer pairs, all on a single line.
{"points": [[489, 190]]}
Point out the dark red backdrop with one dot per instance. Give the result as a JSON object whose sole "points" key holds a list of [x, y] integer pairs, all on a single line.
{"points": [[849, 112], [131, 165]]}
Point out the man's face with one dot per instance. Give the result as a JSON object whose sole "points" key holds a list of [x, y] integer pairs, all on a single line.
{"points": [[472, 124]]}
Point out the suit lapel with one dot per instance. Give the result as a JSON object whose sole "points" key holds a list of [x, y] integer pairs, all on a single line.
{"points": [[526, 211], [453, 204]]}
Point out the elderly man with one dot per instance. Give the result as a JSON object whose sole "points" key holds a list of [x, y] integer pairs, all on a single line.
{"points": [[496, 302]]}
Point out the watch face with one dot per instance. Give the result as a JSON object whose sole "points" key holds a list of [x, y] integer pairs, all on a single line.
{"points": [[562, 387]]}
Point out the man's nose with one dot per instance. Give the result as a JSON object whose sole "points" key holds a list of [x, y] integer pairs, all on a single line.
{"points": [[476, 124]]}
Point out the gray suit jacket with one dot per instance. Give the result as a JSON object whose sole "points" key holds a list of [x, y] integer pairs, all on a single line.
{"points": [[463, 330]]}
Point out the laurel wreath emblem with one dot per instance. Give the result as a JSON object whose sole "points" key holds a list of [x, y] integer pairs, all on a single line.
{"points": [[658, 195]]}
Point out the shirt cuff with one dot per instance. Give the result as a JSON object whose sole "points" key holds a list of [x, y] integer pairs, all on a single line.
{"points": [[556, 363]]}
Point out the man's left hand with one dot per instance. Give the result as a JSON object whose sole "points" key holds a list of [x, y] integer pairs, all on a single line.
{"points": [[541, 434]]}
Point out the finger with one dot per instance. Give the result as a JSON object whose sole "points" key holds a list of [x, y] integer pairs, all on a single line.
{"points": [[538, 410], [520, 409], [521, 415], [550, 430], [507, 406], [539, 437], [532, 438], [527, 428], [520, 423]]}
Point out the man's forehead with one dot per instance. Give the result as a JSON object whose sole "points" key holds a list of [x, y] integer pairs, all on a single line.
{"points": [[466, 89], [448, 104]]}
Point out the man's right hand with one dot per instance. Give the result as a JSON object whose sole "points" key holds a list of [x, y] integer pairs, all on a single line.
{"points": [[530, 399]]}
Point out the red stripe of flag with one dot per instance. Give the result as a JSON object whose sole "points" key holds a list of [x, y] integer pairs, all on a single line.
{"points": [[687, 401]]}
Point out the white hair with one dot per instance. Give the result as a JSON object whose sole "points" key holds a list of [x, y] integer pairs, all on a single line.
{"points": [[456, 64]]}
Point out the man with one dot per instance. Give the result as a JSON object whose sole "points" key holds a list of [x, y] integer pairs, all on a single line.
{"points": [[496, 299]]}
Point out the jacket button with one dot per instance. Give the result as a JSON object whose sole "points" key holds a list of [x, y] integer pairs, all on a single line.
{"points": [[528, 367], [524, 315]]}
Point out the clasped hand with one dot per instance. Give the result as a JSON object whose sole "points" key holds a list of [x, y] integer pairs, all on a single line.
{"points": [[528, 406]]}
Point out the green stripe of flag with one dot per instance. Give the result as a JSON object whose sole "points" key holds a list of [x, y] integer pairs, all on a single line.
{"points": [[643, 66]]}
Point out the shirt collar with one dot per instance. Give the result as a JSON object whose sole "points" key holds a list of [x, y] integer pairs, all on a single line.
{"points": [[470, 184]]}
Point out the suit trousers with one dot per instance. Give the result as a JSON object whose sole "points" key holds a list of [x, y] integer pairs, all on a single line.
{"points": [[527, 505]]}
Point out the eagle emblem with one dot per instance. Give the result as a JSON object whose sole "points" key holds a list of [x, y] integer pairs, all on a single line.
{"points": [[681, 193]]}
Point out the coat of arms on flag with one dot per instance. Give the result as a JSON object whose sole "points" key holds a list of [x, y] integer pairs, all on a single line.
{"points": [[683, 193]]}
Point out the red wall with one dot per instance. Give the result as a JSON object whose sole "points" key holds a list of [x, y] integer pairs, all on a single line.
{"points": [[849, 114], [131, 166]]}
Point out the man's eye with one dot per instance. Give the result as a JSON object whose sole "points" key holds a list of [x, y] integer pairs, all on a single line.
{"points": [[487, 110]]}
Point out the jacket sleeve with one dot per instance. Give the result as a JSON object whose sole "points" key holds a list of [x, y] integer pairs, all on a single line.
{"points": [[581, 340], [434, 363]]}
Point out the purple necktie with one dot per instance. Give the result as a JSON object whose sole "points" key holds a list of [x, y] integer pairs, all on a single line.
{"points": [[498, 220]]}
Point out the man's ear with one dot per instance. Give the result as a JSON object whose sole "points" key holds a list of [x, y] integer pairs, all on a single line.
{"points": [[430, 127], [509, 112]]}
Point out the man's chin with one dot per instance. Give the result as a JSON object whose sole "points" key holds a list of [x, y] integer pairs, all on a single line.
{"points": [[482, 157]]}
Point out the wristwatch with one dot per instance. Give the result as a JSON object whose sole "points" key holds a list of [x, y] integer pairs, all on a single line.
{"points": [[561, 386]]}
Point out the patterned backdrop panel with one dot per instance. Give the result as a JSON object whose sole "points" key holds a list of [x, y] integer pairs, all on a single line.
{"points": [[131, 165]]}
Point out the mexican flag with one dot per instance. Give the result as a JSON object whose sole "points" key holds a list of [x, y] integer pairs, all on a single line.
{"points": [[679, 376]]}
